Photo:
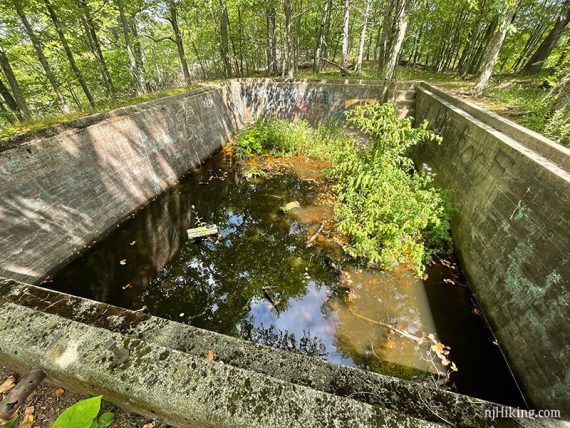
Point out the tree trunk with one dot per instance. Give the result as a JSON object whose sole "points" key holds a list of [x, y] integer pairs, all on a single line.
{"points": [[535, 63], [529, 45], [70, 58], [138, 49], [396, 46], [136, 74], [345, 37], [493, 52], [325, 19], [14, 86], [10, 101], [199, 60], [95, 45], [41, 56], [271, 40], [289, 59], [387, 29], [563, 98], [224, 46], [365, 16], [178, 40]]}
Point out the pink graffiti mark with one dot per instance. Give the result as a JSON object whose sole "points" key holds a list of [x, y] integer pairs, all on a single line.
{"points": [[300, 108]]}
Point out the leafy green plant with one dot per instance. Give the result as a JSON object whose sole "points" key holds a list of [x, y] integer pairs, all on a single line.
{"points": [[83, 414], [254, 172], [558, 127], [390, 212]]}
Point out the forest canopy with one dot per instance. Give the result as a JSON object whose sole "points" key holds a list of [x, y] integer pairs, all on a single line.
{"points": [[73, 57]]}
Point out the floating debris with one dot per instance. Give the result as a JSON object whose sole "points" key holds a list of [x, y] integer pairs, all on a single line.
{"points": [[203, 231], [290, 206]]}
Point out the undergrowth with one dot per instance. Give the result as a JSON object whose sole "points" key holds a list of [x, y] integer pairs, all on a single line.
{"points": [[391, 213]]}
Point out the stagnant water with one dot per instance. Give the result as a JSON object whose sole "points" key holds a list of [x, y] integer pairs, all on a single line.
{"points": [[259, 280]]}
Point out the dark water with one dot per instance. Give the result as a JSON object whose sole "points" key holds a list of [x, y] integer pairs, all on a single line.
{"points": [[258, 280]]}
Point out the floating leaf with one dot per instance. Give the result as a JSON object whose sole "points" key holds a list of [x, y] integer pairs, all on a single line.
{"points": [[123, 262]]}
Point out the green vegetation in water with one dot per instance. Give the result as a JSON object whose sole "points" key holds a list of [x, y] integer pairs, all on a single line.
{"points": [[391, 213]]}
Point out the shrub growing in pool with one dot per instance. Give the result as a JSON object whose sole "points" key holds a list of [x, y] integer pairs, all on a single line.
{"points": [[391, 213]]}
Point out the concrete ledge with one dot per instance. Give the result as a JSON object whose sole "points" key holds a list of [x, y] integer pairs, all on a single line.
{"points": [[511, 228], [555, 152], [167, 370]]}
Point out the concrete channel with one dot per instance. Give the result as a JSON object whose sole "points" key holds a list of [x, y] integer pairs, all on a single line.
{"points": [[66, 187]]}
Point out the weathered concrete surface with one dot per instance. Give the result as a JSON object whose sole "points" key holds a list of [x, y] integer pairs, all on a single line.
{"points": [[317, 101], [512, 232], [64, 187], [182, 389], [62, 190], [65, 335]]}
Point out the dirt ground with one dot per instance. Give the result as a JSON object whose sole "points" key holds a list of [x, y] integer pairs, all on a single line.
{"points": [[49, 400]]}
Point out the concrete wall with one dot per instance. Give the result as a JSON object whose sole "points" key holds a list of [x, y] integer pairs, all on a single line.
{"points": [[511, 189], [64, 187]]}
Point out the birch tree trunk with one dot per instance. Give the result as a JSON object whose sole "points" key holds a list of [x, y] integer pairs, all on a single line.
{"points": [[493, 52], [345, 37], [41, 56], [178, 40], [14, 86], [68, 53], [325, 19], [133, 64], [398, 40], [365, 16]]}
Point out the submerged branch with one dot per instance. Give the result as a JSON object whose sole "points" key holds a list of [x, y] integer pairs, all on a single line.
{"points": [[402, 333]]}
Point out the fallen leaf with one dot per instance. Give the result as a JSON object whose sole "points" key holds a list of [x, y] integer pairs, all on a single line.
{"points": [[476, 311], [210, 355], [59, 392], [133, 243], [127, 286], [390, 343], [8, 384], [28, 418], [123, 262], [149, 425]]}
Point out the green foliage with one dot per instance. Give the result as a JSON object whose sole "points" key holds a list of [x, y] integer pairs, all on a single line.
{"points": [[558, 127], [83, 414], [10, 423], [391, 213]]}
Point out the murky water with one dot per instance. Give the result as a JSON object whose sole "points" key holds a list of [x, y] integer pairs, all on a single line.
{"points": [[259, 280]]}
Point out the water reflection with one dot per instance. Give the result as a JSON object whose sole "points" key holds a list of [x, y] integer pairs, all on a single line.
{"points": [[259, 279]]}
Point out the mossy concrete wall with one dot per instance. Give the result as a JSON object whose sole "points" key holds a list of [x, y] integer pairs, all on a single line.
{"points": [[511, 190]]}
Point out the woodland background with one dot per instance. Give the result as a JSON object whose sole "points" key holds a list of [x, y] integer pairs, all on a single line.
{"points": [[61, 59]]}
